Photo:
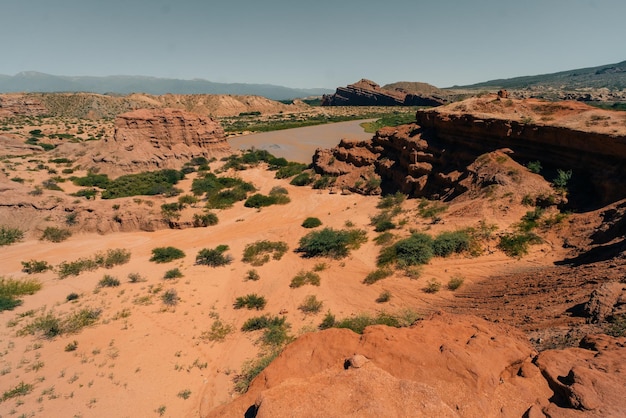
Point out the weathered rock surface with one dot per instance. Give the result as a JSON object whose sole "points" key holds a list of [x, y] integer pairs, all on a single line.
{"points": [[430, 158], [608, 301], [448, 365], [159, 138], [367, 93]]}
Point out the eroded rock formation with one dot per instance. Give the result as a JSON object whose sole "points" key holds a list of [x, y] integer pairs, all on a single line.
{"points": [[367, 93], [149, 139], [439, 154], [448, 365]]}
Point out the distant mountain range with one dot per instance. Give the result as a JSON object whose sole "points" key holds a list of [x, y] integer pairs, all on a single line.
{"points": [[32, 81], [611, 76]]}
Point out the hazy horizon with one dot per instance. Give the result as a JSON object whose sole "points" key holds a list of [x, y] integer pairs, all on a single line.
{"points": [[321, 44]]}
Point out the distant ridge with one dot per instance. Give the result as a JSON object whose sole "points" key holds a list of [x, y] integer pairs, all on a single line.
{"points": [[36, 82], [610, 76]]}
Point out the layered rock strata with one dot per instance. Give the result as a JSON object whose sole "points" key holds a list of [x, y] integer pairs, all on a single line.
{"points": [[148, 139], [367, 93]]}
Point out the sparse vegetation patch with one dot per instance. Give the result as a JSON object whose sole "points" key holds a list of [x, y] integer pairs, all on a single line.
{"points": [[258, 253]]}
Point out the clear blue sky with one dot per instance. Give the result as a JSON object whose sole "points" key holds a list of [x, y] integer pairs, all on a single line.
{"points": [[311, 43]]}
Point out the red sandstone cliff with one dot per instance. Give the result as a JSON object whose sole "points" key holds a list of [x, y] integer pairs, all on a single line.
{"points": [[367, 93], [149, 139]]}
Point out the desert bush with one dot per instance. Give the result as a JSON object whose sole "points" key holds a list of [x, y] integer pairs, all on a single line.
{"points": [[70, 218], [55, 234], [72, 296], [385, 296], [311, 305], [433, 286], [49, 325], [166, 254], [252, 275], [92, 180], [146, 183], [455, 282], [250, 301], [35, 266], [186, 200], [415, 250], [260, 322], [305, 277], [562, 178], [221, 192], [302, 179], [450, 242], [258, 200], [12, 289], [290, 170], [21, 389], [311, 222], [258, 253], [219, 331], [174, 273], [516, 244], [617, 326], [378, 274], [329, 242], [534, 166], [74, 268], [320, 267], [9, 235], [214, 257], [72, 346], [135, 278], [252, 369], [384, 238], [382, 221], [206, 219], [170, 297], [113, 257], [391, 200], [430, 209], [170, 211], [108, 281]]}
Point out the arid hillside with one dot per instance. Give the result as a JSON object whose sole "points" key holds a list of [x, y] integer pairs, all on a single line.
{"points": [[457, 264]]}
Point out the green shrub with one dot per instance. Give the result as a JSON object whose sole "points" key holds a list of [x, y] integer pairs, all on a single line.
{"points": [[516, 244], [329, 242], [72, 296], [11, 289], [35, 266], [252, 275], [135, 278], [305, 277], [49, 325], [250, 301], [534, 167], [108, 281], [384, 238], [455, 282], [562, 178], [383, 222], [385, 296], [206, 219], [311, 305], [72, 346], [174, 273], [328, 321], [358, 323], [302, 179], [415, 250], [391, 200], [166, 254], [258, 200], [252, 369], [377, 275], [74, 268], [311, 222], [430, 209], [219, 331], [22, 389], [55, 234], [147, 183], [213, 257], [170, 297], [258, 253], [260, 322], [290, 170], [113, 257], [10, 236], [433, 286], [92, 180], [448, 243]]}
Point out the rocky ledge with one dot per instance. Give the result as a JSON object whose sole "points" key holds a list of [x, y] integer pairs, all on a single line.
{"points": [[367, 93], [435, 156], [149, 139], [445, 366]]}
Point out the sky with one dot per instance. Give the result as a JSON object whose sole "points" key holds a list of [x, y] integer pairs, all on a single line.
{"points": [[311, 43]]}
